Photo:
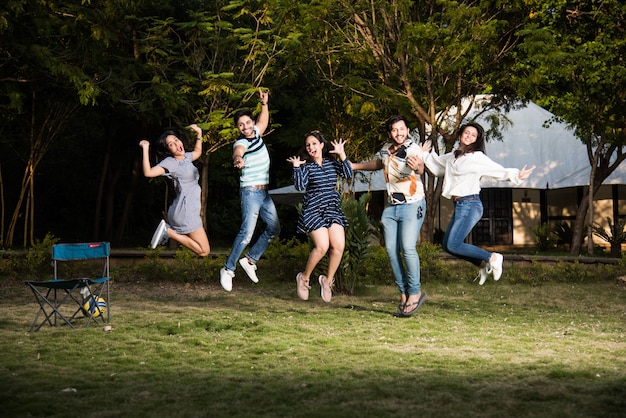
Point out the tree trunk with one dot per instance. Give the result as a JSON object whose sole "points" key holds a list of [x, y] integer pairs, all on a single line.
{"points": [[17, 212], [109, 205], [433, 194], [582, 217], [128, 203], [29, 225], [616, 250], [98, 205], [1, 208], [579, 225]]}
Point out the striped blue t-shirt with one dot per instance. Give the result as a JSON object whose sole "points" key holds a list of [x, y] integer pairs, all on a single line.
{"points": [[256, 159]]}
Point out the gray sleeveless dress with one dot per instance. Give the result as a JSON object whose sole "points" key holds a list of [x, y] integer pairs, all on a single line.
{"points": [[184, 213]]}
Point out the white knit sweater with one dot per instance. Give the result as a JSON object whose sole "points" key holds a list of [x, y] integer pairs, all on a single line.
{"points": [[461, 176]]}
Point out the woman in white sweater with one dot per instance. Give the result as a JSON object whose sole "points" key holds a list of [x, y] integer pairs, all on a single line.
{"points": [[462, 170]]}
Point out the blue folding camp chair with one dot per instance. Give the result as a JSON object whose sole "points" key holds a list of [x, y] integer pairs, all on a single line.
{"points": [[69, 300]]}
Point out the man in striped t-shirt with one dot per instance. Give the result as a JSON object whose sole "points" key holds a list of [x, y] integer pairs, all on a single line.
{"points": [[251, 157]]}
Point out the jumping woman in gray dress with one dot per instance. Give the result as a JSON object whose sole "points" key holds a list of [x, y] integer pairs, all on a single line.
{"points": [[321, 216], [185, 223]]}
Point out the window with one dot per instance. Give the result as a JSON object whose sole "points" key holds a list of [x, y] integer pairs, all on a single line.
{"points": [[496, 225]]}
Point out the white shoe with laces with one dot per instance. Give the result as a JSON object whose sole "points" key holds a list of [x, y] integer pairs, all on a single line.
{"points": [[160, 236], [249, 268], [484, 273], [226, 279], [496, 265]]}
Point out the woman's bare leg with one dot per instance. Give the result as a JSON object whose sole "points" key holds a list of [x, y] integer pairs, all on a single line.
{"points": [[320, 239], [197, 241], [337, 239]]}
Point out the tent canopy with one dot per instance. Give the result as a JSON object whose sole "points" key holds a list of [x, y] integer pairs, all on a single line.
{"points": [[560, 157], [363, 181]]}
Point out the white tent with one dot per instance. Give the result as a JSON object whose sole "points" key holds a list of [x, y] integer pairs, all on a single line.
{"points": [[363, 181], [560, 157]]}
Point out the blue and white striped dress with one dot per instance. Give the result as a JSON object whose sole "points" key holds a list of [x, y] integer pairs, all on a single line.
{"points": [[321, 205]]}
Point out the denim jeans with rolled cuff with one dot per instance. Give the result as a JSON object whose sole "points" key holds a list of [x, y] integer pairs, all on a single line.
{"points": [[467, 212]]}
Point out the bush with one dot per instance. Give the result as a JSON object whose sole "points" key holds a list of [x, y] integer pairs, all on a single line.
{"points": [[376, 268], [287, 257], [543, 237], [615, 236], [34, 264], [357, 247], [564, 233], [433, 267], [185, 267]]}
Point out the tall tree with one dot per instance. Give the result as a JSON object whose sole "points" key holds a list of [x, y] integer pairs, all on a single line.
{"points": [[573, 55], [148, 63], [425, 58], [40, 64]]}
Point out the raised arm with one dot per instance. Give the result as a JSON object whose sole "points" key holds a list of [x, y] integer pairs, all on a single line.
{"points": [[264, 117], [197, 149], [149, 171]]}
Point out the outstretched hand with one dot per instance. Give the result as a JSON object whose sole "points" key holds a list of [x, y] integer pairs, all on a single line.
{"points": [[524, 173], [426, 146], [295, 161], [338, 149]]}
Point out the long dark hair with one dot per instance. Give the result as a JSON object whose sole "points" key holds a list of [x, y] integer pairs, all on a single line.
{"points": [[478, 145], [320, 137], [161, 145]]}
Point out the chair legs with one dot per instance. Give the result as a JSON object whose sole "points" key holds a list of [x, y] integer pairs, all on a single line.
{"points": [[94, 305], [62, 303]]}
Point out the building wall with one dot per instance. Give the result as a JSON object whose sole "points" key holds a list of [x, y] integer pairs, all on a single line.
{"points": [[526, 211], [561, 204]]}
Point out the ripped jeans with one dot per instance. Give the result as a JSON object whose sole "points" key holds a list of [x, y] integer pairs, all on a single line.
{"points": [[255, 203]]}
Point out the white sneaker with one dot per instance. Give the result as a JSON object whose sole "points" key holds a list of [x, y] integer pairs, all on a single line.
{"points": [[497, 266], [327, 291], [226, 279], [302, 287], [249, 268], [484, 273], [160, 236]]}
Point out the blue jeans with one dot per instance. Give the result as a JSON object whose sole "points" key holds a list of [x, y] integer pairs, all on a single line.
{"points": [[255, 203], [402, 224], [467, 212]]}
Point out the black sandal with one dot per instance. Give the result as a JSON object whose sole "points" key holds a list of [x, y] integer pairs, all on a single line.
{"points": [[401, 305], [418, 303]]}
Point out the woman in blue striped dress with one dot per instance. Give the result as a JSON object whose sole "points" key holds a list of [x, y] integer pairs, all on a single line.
{"points": [[321, 216]]}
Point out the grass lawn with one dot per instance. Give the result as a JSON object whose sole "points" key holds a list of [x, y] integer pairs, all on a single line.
{"points": [[192, 350]]}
